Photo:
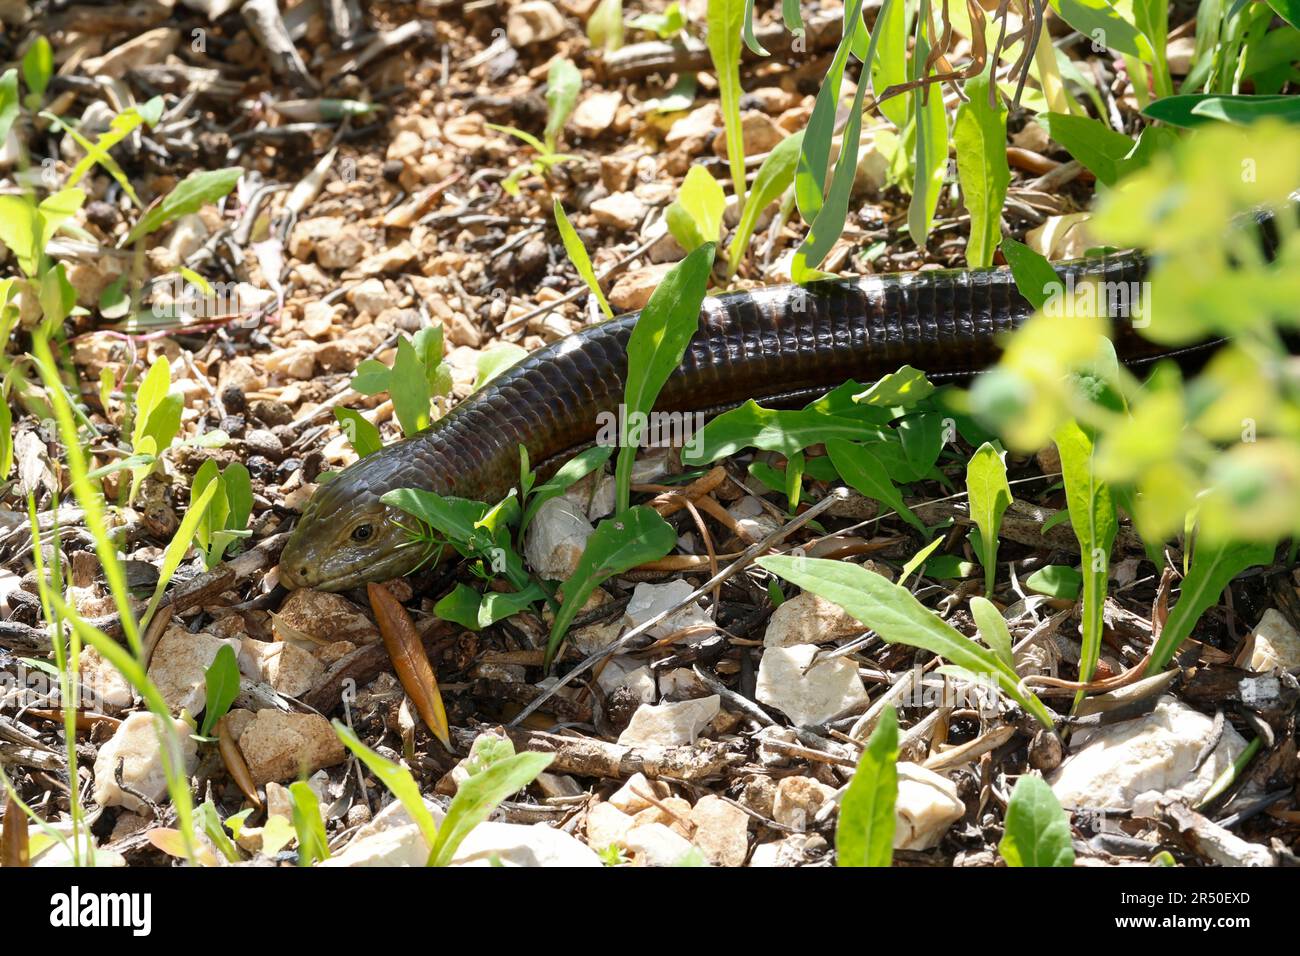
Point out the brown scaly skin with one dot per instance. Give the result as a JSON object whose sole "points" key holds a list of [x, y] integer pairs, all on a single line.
{"points": [[785, 341]]}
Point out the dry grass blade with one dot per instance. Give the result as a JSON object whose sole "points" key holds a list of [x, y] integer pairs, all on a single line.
{"points": [[13, 840], [412, 664], [236, 766]]}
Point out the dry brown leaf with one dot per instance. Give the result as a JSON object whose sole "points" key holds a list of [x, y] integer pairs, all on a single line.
{"points": [[236, 766], [411, 663], [13, 840]]}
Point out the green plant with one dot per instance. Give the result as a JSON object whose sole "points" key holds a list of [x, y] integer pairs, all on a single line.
{"points": [[898, 617], [563, 83], [313, 845], [577, 253], [1037, 829], [990, 496], [221, 682], [726, 20], [695, 216], [605, 25], [865, 835], [225, 519], [664, 25], [418, 376]]}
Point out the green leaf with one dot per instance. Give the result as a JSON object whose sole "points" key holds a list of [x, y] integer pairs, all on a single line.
{"points": [[452, 517], [6, 438], [175, 550], [949, 567], [695, 217], [980, 137], [313, 845], [474, 611], [1099, 21], [478, 796], [578, 256], [605, 25], [1036, 280], [1197, 109], [408, 385], [902, 389], [990, 496], [496, 360], [1095, 521], [665, 25], [930, 131], [1213, 567], [574, 470], [222, 682], [993, 628], [862, 471], [899, 618], [752, 426], [918, 559], [9, 106], [371, 377], [725, 23], [210, 821], [195, 191], [774, 178], [1037, 829], [890, 65], [815, 154], [631, 537], [362, 435], [865, 835], [1092, 143], [563, 83], [97, 153], [1056, 580], [1288, 10], [659, 339], [38, 67], [396, 778]]}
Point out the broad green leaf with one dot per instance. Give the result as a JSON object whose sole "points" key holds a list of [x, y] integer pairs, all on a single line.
{"points": [[1213, 567], [1095, 522], [478, 796], [899, 618], [563, 83], [451, 517], [362, 435], [631, 537], [862, 471], [660, 337], [1092, 143], [1037, 829], [195, 191], [903, 389], [19, 230], [725, 23], [474, 611], [752, 426], [1197, 109], [1056, 580], [1035, 278], [492, 362], [774, 178], [993, 628], [396, 778], [222, 682], [408, 385], [865, 835], [695, 217], [577, 254], [980, 138], [990, 496], [1288, 10], [889, 68], [1100, 22], [371, 377]]}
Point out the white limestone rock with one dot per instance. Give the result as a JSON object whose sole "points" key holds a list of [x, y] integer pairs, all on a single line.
{"points": [[1113, 765], [808, 696], [669, 725], [136, 745]]}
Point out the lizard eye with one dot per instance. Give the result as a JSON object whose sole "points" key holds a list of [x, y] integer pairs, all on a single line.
{"points": [[362, 532]]}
